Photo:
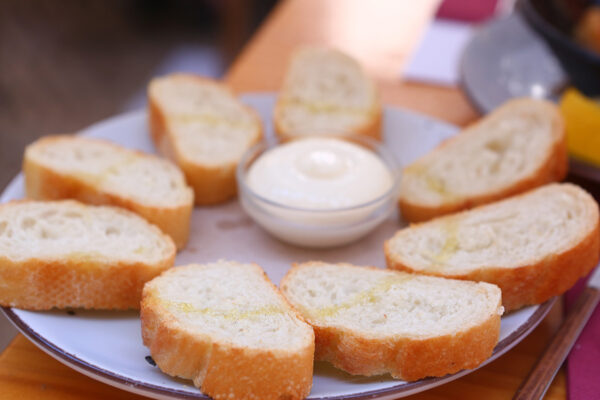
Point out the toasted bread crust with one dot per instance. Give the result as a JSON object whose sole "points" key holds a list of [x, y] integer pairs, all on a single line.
{"points": [[219, 368], [553, 169], [531, 283], [44, 183], [404, 358], [211, 184], [78, 282], [43, 284]]}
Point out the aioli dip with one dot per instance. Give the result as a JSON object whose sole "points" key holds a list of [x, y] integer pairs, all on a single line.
{"points": [[320, 174]]}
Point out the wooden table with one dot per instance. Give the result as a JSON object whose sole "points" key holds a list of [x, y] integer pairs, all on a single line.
{"points": [[381, 34]]}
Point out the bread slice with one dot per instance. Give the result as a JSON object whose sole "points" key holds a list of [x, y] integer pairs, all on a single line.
{"points": [[100, 172], [226, 326], [534, 246], [201, 125], [67, 254], [518, 147], [372, 321], [326, 92]]}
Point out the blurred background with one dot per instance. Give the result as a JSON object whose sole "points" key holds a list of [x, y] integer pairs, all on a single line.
{"points": [[66, 64]]}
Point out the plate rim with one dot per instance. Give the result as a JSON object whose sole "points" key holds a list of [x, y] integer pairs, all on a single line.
{"points": [[148, 389], [123, 382]]}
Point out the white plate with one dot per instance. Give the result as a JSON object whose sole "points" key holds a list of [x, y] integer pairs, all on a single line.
{"points": [[107, 346]]}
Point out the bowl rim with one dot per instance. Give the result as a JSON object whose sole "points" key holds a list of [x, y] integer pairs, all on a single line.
{"points": [[375, 146], [542, 26]]}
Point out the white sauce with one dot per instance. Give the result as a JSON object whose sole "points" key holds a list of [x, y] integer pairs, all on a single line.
{"points": [[319, 174]]}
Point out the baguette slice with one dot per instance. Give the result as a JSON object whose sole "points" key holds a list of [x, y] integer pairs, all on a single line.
{"points": [[519, 146], [534, 246], [372, 321], [326, 92], [100, 172], [67, 254], [202, 126], [227, 327]]}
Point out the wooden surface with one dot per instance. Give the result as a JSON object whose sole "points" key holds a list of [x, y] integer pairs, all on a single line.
{"points": [[381, 40], [543, 372]]}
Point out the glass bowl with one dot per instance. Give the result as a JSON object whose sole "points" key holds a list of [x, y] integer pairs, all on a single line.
{"points": [[323, 227]]}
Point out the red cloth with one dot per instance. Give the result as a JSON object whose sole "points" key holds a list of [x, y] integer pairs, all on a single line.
{"points": [[583, 363], [467, 10]]}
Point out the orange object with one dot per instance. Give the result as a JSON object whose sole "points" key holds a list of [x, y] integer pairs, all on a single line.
{"points": [[582, 118]]}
